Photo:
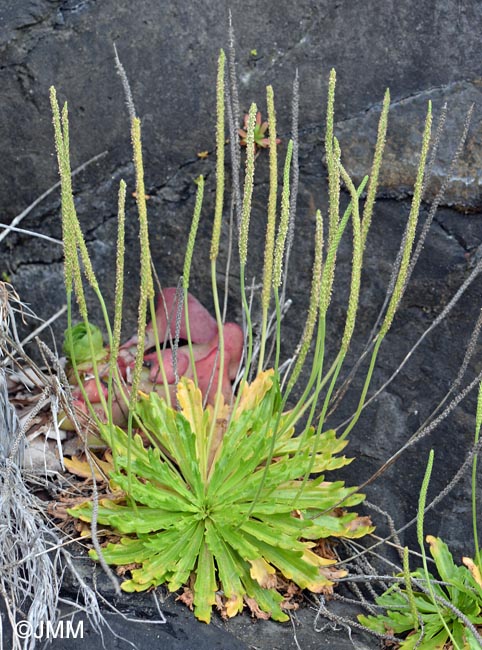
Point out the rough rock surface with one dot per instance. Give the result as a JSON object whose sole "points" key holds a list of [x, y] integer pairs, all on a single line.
{"points": [[421, 51], [404, 139]]}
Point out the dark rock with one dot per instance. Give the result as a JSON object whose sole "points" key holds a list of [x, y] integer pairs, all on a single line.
{"points": [[404, 138]]}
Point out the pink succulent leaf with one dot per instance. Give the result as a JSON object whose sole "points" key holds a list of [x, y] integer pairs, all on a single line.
{"points": [[265, 142], [233, 348], [119, 410], [262, 128], [208, 386], [243, 135], [152, 362], [205, 341], [202, 325], [91, 390]]}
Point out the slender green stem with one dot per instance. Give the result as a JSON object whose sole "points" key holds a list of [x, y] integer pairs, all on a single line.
{"points": [[189, 339], [278, 330], [313, 307], [408, 587], [420, 537], [219, 388], [249, 326], [313, 398], [317, 367], [270, 227], [262, 343], [474, 507], [249, 346], [478, 424], [73, 360], [114, 380], [325, 291], [157, 345], [364, 392], [326, 283], [314, 402], [187, 268], [319, 429]]}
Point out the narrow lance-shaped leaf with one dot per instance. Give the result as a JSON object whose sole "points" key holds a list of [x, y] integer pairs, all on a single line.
{"points": [[205, 585]]}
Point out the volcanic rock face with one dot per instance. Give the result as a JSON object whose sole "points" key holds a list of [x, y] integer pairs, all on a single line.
{"points": [[428, 51]]}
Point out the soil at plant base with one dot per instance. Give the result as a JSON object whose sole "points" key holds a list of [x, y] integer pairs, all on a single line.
{"points": [[175, 628], [423, 52]]}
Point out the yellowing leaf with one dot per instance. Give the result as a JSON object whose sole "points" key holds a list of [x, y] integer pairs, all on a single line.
{"points": [[191, 402], [263, 573], [253, 393], [322, 585], [474, 570], [219, 429], [203, 155], [82, 468], [222, 414], [233, 605], [333, 574], [359, 527], [317, 560]]}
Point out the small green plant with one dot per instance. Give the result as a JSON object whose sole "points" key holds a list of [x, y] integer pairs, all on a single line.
{"points": [[437, 614], [432, 616], [261, 139], [77, 343], [224, 496]]}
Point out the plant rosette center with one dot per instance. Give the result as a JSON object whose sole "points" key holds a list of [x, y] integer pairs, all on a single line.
{"points": [[219, 500]]}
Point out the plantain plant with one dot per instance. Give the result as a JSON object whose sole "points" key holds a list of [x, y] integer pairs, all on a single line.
{"points": [[224, 497], [202, 510], [433, 613], [436, 613]]}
